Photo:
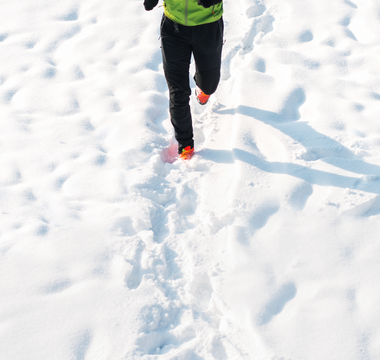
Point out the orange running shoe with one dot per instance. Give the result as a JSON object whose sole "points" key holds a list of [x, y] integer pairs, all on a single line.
{"points": [[201, 96], [187, 153]]}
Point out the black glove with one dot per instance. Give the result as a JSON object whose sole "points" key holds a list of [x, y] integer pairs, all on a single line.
{"points": [[208, 3], [150, 4]]}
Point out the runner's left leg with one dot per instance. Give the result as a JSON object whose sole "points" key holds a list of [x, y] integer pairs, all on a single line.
{"points": [[207, 42]]}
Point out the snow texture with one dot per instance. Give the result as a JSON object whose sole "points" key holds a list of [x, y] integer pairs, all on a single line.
{"points": [[264, 246]]}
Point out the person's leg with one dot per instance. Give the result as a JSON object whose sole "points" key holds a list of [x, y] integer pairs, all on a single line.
{"points": [[207, 45], [176, 56]]}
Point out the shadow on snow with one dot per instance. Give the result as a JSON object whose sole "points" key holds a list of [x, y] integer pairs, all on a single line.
{"points": [[325, 148]]}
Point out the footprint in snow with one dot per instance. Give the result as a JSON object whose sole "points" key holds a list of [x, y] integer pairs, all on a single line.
{"points": [[30, 44], [259, 65], [9, 95], [275, 306], [255, 10], [100, 160], [42, 230], [350, 34], [78, 74], [306, 36], [261, 216], [124, 226], [299, 195], [159, 318], [218, 350], [29, 196], [10, 175], [293, 102], [202, 290], [350, 3], [346, 21], [72, 16], [166, 330], [60, 181], [58, 286], [82, 344], [155, 342], [67, 35], [50, 73], [134, 276], [263, 25], [87, 126]]}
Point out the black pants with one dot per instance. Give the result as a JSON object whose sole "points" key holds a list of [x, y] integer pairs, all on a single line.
{"points": [[178, 42]]}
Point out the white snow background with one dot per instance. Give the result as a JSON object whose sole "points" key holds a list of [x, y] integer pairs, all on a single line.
{"points": [[266, 245]]}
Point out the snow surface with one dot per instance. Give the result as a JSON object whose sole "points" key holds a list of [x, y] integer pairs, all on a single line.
{"points": [[265, 245]]}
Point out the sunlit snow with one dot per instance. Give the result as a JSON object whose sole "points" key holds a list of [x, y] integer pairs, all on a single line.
{"points": [[265, 246]]}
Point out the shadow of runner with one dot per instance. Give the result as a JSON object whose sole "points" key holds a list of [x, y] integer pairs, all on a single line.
{"points": [[320, 145], [312, 176], [323, 147]]}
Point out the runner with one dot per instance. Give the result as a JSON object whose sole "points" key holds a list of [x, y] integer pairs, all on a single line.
{"points": [[190, 27]]}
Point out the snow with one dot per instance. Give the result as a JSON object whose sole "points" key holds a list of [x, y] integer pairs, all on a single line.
{"points": [[264, 246]]}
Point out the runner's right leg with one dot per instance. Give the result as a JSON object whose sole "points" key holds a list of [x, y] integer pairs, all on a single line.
{"points": [[176, 56]]}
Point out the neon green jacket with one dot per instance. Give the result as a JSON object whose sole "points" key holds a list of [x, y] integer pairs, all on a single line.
{"points": [[189, 13]]}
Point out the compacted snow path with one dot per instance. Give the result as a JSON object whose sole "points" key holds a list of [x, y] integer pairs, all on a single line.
{"points": [[263, 246]]}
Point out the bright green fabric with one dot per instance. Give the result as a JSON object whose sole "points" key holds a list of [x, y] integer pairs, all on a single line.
{"points": [[189, 13]]}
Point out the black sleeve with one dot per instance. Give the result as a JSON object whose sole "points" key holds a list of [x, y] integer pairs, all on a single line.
{"points": [[150, 4]]}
